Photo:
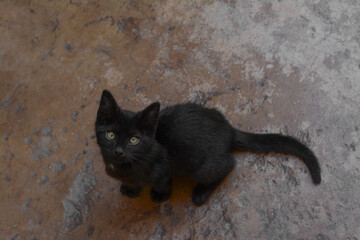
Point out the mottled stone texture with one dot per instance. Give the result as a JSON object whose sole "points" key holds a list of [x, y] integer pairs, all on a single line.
{"points": [[270, 66]]}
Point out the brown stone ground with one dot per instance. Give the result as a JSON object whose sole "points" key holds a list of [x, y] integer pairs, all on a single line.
{"points": [[286, 66]]}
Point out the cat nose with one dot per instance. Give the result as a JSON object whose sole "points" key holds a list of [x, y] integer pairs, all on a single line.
{"points": [[119, 151]]}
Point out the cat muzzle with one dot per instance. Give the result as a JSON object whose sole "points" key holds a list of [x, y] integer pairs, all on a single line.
{"points": [[119, 152]]}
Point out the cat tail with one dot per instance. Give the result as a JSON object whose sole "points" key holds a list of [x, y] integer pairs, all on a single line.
{"points": [[266, 143]]}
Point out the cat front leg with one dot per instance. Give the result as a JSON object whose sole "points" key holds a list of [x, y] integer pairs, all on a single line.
{"points": [[130, 191], [161, 189]]}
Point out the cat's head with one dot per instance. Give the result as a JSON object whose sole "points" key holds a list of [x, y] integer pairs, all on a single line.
{"points": [[124, 136]]}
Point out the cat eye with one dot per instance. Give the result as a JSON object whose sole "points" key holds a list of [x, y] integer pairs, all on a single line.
{"points": [[110, 135], [134, 140]]}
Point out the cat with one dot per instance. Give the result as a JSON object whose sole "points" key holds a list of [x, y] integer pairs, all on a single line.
{"points": [[150, 146]]}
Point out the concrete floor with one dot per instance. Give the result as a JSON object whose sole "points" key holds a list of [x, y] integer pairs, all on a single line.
{"points": [[270, 66]]}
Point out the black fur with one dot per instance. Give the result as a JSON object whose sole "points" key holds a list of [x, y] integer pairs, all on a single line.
{"points": [[184, 139]]}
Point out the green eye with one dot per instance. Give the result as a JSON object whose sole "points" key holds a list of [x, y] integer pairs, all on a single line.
{"points": [[110, 135], [134, 140]]}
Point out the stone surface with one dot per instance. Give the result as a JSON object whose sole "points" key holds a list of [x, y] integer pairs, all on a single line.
{"points": [[46, 130], [72, 215], [27, 140], [44, 179], [270, 66], [58, 166]]}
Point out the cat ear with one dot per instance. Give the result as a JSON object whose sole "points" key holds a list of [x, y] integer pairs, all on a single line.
{"points": [[108, 104], [148, 118]]}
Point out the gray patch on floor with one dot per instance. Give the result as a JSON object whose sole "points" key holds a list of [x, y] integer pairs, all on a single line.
{"points": [[76, 204], [58, 166]]}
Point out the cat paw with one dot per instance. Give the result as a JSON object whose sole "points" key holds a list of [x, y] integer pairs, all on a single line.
{"points": [[200, 195], [159, 197], [199, 200], [130, 191]]}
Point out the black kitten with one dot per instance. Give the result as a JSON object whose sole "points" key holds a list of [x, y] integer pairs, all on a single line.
{"points": [[148, 147]]}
